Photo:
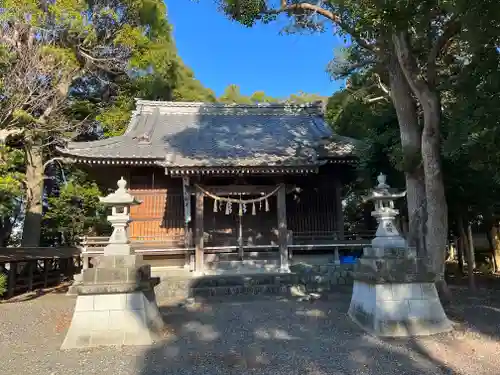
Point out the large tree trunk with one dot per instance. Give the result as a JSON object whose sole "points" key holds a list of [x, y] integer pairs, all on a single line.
{"points": [[460, 253], [494, 238], [436, 227], [409, 128], [472, 249], [437, 209], [468, 253], [34, 196]]}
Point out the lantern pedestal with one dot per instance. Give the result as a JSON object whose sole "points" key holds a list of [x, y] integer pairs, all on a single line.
{"points": [[115, 304], [394, 291], [394, 295]]}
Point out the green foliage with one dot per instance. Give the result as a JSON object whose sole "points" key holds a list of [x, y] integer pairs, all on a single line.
{"points": [[74, 212], [3, 283], [233, 95], [71, 68], [246, 12], [11, 189], [11, 179], [349, 114]]}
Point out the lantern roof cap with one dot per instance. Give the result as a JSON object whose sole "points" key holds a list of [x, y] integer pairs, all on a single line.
{"points": [[120, 196]]}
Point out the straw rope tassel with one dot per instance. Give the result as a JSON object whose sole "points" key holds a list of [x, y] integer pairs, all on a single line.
{"points": [[267, 205], [253, 209], [216, 203], [240, 209], [228, 208]]}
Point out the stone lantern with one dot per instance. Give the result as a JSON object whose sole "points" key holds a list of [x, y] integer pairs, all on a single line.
{"points": [[387, 235], [115, 303], [394, 291], [120, 202]]}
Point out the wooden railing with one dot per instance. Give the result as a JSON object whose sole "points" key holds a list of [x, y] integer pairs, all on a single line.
{"points": [[30, 268], [181, 244]]}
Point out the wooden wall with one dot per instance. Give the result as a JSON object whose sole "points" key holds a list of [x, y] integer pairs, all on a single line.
{"points": [[161, 215]]}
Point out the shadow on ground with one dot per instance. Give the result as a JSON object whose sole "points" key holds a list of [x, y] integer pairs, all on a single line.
{"points": [[283, 336], [37, 293]]}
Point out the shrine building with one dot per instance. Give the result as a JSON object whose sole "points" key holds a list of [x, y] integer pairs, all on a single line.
{"points": [[222, 181]]}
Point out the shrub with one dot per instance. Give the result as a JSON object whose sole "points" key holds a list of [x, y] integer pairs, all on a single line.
{"points": [[3, 283]]}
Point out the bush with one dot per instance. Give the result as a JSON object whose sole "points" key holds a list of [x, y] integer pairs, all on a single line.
{"points": [[3, 283]]}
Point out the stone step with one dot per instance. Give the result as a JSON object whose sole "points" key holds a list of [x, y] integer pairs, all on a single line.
{"points": [[244, 266], [243, 280], [250, 255], [243, 291], [244, 285]]}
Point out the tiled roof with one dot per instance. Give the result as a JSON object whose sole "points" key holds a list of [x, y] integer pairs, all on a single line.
{"points": [[181, 134]]}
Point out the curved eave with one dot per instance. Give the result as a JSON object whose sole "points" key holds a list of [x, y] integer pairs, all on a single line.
{"points": [[113, 161], [192, 171]]}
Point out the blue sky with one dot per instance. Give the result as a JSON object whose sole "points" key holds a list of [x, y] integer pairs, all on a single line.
{"points": [[222, 52]]}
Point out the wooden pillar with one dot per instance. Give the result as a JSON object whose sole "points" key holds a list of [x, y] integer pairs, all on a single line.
{"points": [[186, 194], [70, 270], [46, 266], [199, 253], [31, 270], [282, 229], [339, 214], [11, 284], [85, 262]]}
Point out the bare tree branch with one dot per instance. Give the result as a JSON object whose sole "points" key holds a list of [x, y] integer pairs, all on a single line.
{"points": [[57, 159], [335, 18], [377, 99], [383, 87]]}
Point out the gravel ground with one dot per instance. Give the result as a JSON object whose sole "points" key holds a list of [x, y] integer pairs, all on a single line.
{"points": [[253, 337]]}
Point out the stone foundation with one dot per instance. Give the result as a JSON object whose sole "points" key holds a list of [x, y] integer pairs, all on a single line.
{"points": [[310, 278], [113, 320], [398, 309], [323, 277], [115, 304], [394, 294]]}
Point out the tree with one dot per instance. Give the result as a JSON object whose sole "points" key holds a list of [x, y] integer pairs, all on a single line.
{"points": [[64, 65], [74, 211], [405, 42], [11, 177], [232, 95], [261, 97]]}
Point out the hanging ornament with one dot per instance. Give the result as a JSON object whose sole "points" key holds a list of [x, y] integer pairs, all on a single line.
{"points": [[228, 208], [240, 209], [216, 204], [260, 205], [253, 209], [267, 205], [244, 208]]}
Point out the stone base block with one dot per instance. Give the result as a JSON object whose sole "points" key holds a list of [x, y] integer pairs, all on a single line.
{"points": [[114, 320], [398, 309]]}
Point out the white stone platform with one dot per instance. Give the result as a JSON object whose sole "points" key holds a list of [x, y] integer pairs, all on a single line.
{"points": [[113, 320], [398, 309]]}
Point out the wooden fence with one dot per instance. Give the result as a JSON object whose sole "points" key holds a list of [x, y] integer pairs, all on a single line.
{"points": [[30, 268]]}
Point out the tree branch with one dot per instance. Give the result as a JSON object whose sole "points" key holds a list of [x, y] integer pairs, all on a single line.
{"points": [[451, 28], [408, 62], [335, 18], [377, 99], [382, 87], [61, 159]]}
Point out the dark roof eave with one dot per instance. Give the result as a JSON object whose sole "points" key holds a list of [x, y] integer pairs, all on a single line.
{"points": [[232, 170], [112, 161]]}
